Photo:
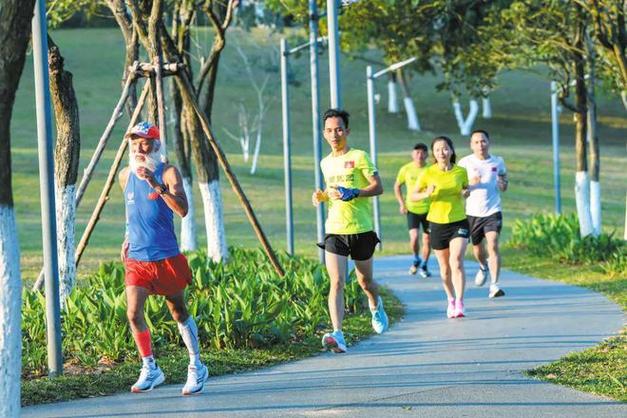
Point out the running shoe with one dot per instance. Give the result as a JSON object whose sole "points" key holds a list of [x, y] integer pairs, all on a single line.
{"points": [[459, 309], [149, 378], [495, 292], [379, 318], [413, 269], [481, 276], [423, 272], [334, 341], [196, 378], [450, 309]]}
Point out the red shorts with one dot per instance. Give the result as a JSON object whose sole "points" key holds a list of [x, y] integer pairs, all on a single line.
{"points": [[165, 277]]}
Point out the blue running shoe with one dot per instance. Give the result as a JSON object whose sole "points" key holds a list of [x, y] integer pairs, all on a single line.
{"points": [[334, 341], [379, 318]]}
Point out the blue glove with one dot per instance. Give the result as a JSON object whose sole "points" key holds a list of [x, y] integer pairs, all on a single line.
{"points": [[347, 194]]}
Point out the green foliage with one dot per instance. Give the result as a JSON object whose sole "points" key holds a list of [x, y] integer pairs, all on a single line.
{"points": [[558, 237], [241, 304]]}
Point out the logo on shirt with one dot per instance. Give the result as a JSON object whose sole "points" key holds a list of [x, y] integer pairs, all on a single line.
{"points": [[130, 198], [349, 164], [493, 169]]}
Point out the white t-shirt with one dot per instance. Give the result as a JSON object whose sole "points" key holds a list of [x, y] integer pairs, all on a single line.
{"points": [[484, 199]]}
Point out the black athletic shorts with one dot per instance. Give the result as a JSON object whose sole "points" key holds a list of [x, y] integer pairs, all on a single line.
{"points": [[480, 225], [359, 246], [415, 220], [442, 234]]}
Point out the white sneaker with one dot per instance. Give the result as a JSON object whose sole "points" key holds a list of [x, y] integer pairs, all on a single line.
{"points": [[450, 309], [495, 292], [149, 378], [413, 269], [481, 276], [334, 341], [196, 378]]}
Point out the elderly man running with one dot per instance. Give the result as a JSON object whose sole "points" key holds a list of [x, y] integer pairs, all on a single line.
{"points": [[153, 191]]}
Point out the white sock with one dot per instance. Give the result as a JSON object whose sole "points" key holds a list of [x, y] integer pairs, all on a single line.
{"points": [[189, 333], [149, 361]]}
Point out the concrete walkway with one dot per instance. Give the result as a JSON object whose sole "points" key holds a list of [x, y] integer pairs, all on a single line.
{"points": [[426, 365]]}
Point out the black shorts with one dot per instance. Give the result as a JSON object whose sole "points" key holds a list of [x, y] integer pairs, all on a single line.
{"points": [[359, 246], [442, 234], [480, 225], [415, 220]]}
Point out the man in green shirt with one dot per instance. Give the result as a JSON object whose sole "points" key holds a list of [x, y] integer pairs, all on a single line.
{"points": [[416, 211], [351, 178]]}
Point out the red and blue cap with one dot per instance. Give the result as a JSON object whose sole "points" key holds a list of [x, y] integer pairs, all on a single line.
{"points": [[144, 130]]}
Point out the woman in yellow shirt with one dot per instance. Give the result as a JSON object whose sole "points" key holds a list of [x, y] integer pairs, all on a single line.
{"points": [[446, 185]]}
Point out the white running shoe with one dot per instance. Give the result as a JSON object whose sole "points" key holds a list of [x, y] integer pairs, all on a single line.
{"points": [[149, 378], [379, 318], [413, 269], [423, 272], [495, 292], [196, 378], [482, 275], [334, 341]]}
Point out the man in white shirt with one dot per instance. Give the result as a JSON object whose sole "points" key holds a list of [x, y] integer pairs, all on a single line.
{"points": [[487, 177]]}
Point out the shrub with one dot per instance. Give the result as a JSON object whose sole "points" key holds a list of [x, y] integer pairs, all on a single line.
{"points": [[558, 238], [242, 303]]}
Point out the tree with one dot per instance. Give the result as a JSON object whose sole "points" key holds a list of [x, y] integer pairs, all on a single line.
{"points": [[67, 151], [608, 21], [554, 33], [15, 30]]}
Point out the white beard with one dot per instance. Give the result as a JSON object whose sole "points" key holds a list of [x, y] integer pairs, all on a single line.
{"points": [[149, 161]]}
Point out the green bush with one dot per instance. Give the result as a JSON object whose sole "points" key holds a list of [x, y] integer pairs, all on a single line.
{"points": [[558, 237], [242, 303]]}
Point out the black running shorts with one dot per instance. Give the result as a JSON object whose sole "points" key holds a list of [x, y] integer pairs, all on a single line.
{"points": [[480, 225], [359, 246], [416, 220], [442, 234]]}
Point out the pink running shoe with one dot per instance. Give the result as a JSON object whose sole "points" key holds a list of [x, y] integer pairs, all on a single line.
{"points": [[459, 309], [450, 309]]}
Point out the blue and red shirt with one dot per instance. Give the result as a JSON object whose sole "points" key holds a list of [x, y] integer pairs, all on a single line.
{"points": [[150, 221]]}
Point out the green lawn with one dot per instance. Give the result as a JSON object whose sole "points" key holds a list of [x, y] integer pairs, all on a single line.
{"points": [[520, 129]]}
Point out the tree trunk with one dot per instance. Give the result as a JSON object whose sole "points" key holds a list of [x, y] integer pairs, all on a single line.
{"points": [[392, 96], [582, 180], [593, 146], [208, 175], [410, 110], [465, 124], [487, 107], [67, 151], [15, 31]]}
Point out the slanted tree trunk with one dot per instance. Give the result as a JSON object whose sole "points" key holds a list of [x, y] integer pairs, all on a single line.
{"points": [[410, 110], [392, 96], [67, 151], [15, 30]]}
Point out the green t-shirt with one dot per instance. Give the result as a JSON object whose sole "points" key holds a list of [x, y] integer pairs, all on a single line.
{"points": [[447, 203], [408, 175], [352, 170]]}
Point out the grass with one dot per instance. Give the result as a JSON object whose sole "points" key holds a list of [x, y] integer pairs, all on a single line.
{"points": [[602, 369], [520, 129]]}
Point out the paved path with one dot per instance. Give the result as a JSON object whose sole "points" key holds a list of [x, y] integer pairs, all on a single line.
{"points": [[426, 365]]}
